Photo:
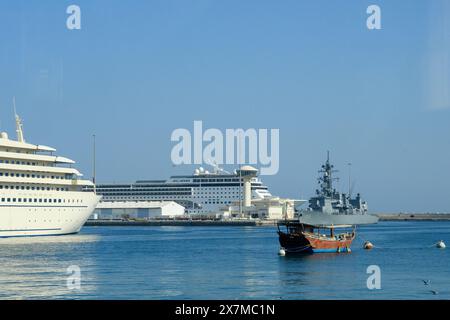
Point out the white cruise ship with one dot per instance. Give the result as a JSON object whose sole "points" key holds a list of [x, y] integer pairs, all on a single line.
{"points": [[40, 193], [200, 193]]}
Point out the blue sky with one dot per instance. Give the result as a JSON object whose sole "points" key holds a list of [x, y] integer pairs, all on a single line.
{"points": [[137, 70]]}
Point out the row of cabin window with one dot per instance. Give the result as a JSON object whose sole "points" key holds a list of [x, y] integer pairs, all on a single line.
{"points": [[18, 162], [33, 188], [215, 180], [40, 200], [148, 196], [173, 197], [27, 175]]}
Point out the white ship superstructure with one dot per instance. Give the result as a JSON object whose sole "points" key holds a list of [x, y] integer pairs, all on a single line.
{"points": [[200, 193], [40, 193]]}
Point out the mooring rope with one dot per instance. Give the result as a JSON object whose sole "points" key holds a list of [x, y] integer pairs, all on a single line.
{"points": [[435, 244], [365, 240]]}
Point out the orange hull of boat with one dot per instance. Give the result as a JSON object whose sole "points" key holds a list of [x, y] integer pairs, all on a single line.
{"points": [[329, 245]]}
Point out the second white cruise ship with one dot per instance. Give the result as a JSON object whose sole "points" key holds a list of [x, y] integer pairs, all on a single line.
{"points": [[40, 193], [203, 192]]}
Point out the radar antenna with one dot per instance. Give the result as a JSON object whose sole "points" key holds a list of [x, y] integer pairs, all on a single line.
{"points": [[19, 124], [216, 166], [326, 180]]}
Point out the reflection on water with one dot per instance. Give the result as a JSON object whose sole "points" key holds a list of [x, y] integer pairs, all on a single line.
{"points": [[73, 238], [222, 263], [36, 267]]}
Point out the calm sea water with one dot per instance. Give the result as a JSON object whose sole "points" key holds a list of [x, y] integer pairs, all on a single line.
{"points": [[223, 263]]}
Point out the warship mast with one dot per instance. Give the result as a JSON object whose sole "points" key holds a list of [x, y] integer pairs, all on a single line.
{"points": [[326, 180]]}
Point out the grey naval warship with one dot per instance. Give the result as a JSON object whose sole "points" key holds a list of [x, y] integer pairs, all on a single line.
{"points": [[330, 207], [328, 210]]}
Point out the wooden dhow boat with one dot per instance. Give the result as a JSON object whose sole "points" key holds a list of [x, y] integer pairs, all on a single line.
{"points": [[328, 210]]}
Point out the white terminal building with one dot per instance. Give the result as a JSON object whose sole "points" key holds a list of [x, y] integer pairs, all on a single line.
{"points": [[269, 208], [137, 210]]}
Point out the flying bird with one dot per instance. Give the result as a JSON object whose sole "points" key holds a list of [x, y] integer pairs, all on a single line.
{"points": [[426, 282], [434, 292]]}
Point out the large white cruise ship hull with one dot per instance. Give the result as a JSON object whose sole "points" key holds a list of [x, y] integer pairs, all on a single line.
{"points": [[20, 219], [40, 193]]}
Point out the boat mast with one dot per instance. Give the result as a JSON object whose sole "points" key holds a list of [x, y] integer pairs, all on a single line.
{"points": [[349, 180]]}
